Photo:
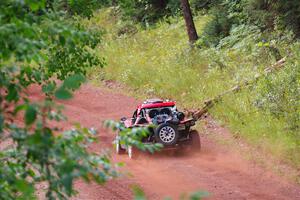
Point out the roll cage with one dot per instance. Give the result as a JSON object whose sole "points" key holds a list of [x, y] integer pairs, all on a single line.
{"points": [[145, 115]]}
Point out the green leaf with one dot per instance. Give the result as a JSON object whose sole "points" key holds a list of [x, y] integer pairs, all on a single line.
{"points": [[138, 193], [25, 188], [74, 81], [199, 195], [49, 88], [35, 4], [67, 183], [37, 75], [1, 123], [63, 94], [12, 93], [62, 40], [30, 114], [19, 108]]}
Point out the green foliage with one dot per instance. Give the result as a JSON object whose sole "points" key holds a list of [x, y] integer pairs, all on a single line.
{"points": [[127, 28], [173, 7], [65, 62], [198, 195], [36, 47], [202, 4], [72, 51], [279, 94], [242, 37], [83, 8], [140, 195], [40, 156], [218, 28], [70, 84], [148, 11], [280, 13], [267, 15], [30, 114]]}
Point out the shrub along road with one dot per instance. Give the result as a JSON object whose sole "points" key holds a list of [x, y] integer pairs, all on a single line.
{"points": [[221, 172]]}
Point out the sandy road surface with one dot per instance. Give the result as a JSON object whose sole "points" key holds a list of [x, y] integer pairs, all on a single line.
{"points": [[221, 172]]}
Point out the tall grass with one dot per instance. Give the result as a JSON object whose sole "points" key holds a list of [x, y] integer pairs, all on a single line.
{"points": [[159, 62]]}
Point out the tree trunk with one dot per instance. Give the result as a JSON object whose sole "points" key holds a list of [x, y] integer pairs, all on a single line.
{"points": [[189, 22]]}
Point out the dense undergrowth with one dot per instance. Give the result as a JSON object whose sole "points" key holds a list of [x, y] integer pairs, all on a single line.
{"points": [[159, 62]]}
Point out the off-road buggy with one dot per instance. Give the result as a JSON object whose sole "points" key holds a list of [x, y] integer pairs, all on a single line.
{"points": [[167, 126]]}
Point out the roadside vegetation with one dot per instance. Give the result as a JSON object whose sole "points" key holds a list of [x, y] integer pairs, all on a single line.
{"points": [[154, 58]]}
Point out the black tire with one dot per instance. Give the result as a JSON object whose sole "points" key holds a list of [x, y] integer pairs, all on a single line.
{"points": [[166, 134], [195, 140]]}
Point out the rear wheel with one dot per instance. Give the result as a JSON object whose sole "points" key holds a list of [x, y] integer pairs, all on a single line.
{"points": [[195, 140], [166, 134]]}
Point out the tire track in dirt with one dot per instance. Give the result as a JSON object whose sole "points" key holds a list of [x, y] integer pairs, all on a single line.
{"points": [[221, 172]]}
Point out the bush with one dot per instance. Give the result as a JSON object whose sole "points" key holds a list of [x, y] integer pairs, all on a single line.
{"points": [[126, 29], [145, 11], [268, 14], [279, 94], [238, 34], [148, 12], [202, 4], [83, 8], [218, 28]]}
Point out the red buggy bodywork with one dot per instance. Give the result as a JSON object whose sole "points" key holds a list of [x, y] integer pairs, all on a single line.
{"points": [[168, 126]]}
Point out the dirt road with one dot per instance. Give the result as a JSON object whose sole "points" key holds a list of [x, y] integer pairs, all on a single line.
{"points": [[221, 172]]}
